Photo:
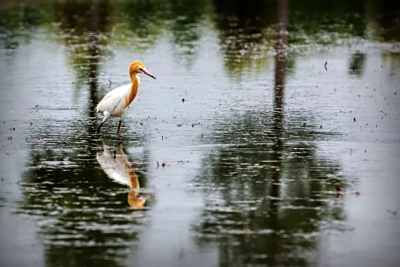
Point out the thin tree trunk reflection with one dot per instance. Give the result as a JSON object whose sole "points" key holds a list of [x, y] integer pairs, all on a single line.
{"points": [[94, 60], [280, 66], [280, 71]]}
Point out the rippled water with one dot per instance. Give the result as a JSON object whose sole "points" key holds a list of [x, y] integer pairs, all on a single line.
{"points": [[232, 157]]}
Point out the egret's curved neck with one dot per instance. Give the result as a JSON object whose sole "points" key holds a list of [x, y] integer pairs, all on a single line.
{"points": [[135, 82], [134, 77]]}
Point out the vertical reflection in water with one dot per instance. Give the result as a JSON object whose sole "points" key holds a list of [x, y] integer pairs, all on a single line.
{"points": [[386, 13], [185, 27], [357, 62], [263, 203], [116, 165], [85, 28], [244, 34], [280, 64], [82, 216], [280, 71], [93, 61]]}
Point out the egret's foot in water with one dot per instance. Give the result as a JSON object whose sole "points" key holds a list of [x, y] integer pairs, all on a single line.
{"points": [[119, 129]]}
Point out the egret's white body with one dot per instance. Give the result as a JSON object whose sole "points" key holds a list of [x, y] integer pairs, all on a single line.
{"points": [[116, 102]]}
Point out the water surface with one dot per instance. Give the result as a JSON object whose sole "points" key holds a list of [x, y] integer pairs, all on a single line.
{"points": [[260, 110]]}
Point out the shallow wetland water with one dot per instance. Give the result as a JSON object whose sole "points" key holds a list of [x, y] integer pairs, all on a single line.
{"points": [[231, 157]]}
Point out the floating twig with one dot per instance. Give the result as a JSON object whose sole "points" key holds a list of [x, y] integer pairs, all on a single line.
{"points": [[110, 82]]}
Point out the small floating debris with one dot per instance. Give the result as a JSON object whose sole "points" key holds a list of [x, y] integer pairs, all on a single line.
{"points": [[393, 212], [340, 192], [162, 164], [110, 82]]}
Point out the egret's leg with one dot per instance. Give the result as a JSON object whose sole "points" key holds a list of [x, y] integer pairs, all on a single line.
{"points": [[107, 115], [119, 128]]}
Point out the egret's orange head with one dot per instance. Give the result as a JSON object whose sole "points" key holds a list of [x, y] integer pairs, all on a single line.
{"points": [[138, 67]]}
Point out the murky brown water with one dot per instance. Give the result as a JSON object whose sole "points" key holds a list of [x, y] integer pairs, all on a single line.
{"points": [[282, 104]]}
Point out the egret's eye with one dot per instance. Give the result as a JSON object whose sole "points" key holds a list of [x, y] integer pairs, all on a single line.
{"points": [[140, 69]]}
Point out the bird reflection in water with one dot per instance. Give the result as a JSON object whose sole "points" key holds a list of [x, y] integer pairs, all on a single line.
{"points": [[115, 163]]}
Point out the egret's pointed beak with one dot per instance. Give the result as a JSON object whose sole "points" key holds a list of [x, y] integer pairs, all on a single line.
{"points": [[148, 73]]}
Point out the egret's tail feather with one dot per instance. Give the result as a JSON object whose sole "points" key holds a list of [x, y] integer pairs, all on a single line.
{"points": [[98, 108]]}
